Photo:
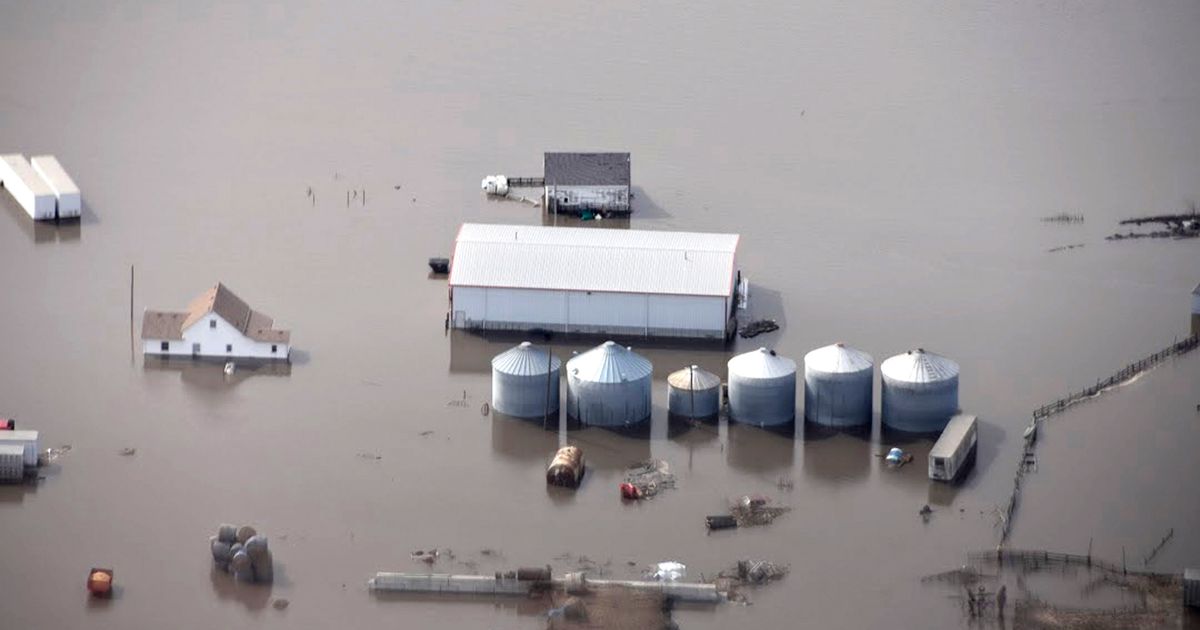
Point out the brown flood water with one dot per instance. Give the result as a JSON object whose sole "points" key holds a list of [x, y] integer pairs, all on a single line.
{"points": [[886, 167]]}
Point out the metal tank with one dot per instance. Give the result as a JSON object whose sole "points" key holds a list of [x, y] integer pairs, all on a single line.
{"points": [[837, 386], [762, 388], [694, 393], [522, 379], [609, 386], [920, 391]]}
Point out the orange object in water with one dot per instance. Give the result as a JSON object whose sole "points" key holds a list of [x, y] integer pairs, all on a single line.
{"points": [[630, 491], [99, 582]]}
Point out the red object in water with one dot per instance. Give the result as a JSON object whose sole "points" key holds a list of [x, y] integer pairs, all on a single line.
{"points": [[630, 491], [8, 425], [99, 582]]}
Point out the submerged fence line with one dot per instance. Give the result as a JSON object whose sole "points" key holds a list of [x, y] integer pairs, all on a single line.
{"points": [[1126, 373], [1060, 405]]}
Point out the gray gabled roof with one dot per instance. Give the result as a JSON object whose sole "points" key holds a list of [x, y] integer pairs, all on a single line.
{"points": [[587, 169]]}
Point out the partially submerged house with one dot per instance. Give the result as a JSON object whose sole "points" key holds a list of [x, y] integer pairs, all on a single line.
{"points": [[587, 182], [594, 281], [216, 324]]}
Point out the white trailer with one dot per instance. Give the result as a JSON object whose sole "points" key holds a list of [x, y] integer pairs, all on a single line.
{"points": [[70, 203], [27, 440], [955, 449], [12, 458], [27, 187]]}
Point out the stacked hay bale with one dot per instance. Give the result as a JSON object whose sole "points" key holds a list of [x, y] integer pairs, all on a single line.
{"points": [[242, 552]]}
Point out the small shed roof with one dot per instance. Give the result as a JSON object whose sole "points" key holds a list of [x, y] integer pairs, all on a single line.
{"points": [[587, 169], [594, 259], [220, 300]]}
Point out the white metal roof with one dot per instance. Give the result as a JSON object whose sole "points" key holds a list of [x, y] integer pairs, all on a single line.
{"points": [[919, 366], [21, 169], [952, 435], [761, 363], [54, 174], [593, 259], [838, 358], [610, 362], [525, 360]]}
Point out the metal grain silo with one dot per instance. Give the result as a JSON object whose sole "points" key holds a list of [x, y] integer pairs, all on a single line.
{"points": [[762, 388], [694, 393], [523, 378], [920, 391], [608, 386], [837, 386]]}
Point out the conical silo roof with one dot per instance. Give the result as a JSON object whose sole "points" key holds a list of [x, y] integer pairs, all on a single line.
{"points": [[693, 377], [919, 366], [609, 363], [525, 360], [761, 363], [838, 358]]}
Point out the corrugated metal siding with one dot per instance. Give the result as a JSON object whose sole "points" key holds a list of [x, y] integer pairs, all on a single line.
{"points": [[581, 259], [597, 312]]}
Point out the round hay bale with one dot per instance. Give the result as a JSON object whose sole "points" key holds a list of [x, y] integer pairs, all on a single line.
{"points": [[241, 567], [221, 551], [244, 533], [264, 567], [256, 546], [227, 533]]}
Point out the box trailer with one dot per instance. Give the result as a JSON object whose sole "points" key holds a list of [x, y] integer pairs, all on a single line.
{"points": [[955, 449], [69, 203], [27, 187]]}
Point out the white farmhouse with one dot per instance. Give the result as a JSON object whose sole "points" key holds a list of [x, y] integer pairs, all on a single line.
{"points": [[216, 324], [594, 281]]}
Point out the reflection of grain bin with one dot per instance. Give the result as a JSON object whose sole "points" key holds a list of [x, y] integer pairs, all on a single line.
{"points": [[693, 393], [762, 388], [920, 391], [525, 382], [608, 386], [837, 386]]}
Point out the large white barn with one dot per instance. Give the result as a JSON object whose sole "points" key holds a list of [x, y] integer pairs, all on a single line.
{"points": [[216, 324], [594, 280]]}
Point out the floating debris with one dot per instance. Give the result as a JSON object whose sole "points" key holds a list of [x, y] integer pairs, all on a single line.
{"points": [[439, 265], [646, 479], [128, 451], [1064, 247], [756, 328], [280, 603], [1063, 217], [754, 509]]}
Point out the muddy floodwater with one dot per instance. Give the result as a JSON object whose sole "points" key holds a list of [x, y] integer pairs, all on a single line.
{"points": [[885, 165]]}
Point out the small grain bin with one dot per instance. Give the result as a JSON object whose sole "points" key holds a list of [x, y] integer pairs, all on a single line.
{"points": [[525, 382], [609, 386], [762, 388], [837, 386], [920, 391], [694, 393]]}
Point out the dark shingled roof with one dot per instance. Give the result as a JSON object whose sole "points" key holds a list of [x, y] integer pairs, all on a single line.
{"points": [[587, 169], [223, 302]]}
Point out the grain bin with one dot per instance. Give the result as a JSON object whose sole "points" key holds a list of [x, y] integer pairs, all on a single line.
{"points": [[837, 386], [920, 391], [694, 393], [609, 386], [762, 388], [525, 382]]}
